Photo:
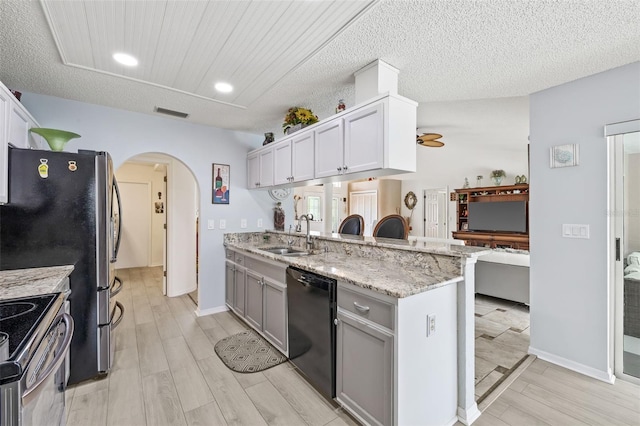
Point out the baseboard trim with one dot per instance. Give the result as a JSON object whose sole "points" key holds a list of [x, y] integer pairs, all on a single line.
{"points": [[605, 376], [470, 415], [210, 311]]}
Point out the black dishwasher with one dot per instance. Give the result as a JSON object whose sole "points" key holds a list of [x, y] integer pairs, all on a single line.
{"points": [[311, 300]]}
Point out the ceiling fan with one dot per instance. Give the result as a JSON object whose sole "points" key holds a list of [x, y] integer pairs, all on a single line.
{"points": [[429, 139]]}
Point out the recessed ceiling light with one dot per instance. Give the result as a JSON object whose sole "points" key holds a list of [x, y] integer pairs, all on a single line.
{"points": [[223, 87], [125, 59]]}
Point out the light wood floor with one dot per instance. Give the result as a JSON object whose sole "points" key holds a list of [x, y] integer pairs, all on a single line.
{"points": [[167, 373]]}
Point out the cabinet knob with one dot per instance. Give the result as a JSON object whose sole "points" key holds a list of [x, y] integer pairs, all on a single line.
{"points": [[336, 321], [344, 168], [339, 169]]}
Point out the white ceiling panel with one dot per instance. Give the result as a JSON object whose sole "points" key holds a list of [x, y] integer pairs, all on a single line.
{"points": [[189, 45]]}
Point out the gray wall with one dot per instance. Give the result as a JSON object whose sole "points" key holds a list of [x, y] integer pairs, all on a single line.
{"points": [[570, 318], [126, 134]]}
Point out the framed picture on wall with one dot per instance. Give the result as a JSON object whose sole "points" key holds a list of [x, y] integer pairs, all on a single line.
{"points": [[220, 184]]}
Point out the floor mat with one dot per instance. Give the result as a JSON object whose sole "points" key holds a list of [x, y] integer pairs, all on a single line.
{"points": [[248, 352]]}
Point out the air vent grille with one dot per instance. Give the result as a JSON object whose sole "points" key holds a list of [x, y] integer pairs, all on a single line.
{"points": [[171, 112]]}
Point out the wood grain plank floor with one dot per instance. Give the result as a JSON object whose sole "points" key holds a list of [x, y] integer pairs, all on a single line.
{"points": [[166, 372]]}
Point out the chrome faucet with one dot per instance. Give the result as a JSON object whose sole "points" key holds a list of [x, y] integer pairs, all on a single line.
{"points": [[309, 241], [290, 240]]}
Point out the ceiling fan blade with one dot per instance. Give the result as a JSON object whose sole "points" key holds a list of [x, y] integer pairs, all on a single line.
{"points": [[430, 143], [430, 136]]}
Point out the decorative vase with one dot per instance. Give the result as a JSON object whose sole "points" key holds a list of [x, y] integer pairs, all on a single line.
{"points": [[268, 138], [497, 180], [54, 137], [295, 128]]}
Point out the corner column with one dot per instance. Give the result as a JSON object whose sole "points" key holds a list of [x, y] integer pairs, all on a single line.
{"points": [[468, 411]]}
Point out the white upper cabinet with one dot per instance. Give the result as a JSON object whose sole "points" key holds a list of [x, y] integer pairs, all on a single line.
{"points": [[329, 152], [15, 122], [260, 168], [302, 148], [375, 138], [4, 146], [364, 139], [282, 163], [293, 159]]}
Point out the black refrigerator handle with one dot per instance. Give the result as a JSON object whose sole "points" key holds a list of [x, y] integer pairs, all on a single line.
{"points": [[116, 248]]}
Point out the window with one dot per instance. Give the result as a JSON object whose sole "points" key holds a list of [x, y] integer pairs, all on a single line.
{"points": [[314, 206]]}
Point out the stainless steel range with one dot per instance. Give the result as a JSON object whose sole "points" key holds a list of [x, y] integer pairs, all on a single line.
{"points": [[33, 374]]}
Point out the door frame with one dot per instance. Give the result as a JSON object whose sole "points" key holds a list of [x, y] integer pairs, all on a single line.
{"points": [[614, 134], [149, 200]]}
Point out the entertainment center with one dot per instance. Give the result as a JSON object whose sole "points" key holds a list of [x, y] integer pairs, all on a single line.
{"points": [[493, 216]]}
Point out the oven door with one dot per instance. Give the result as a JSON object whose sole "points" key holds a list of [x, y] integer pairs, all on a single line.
{"points": [[106, 339], [42, 401]]}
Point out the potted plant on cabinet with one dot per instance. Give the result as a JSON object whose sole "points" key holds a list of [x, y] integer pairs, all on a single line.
{"points": [[497, 176]]}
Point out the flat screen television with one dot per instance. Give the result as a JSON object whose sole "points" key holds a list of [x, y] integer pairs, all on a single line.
{"points": [[498, 216]]}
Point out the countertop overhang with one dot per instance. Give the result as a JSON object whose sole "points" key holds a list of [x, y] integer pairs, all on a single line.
{"points": [[33, 281], [376, 273]]}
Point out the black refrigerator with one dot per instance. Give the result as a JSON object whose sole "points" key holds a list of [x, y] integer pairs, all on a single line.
{"points": [[64, 209]]}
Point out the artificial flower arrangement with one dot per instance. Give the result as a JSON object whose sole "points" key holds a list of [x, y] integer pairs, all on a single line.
{"points": [[298, 115], [498, 173]]}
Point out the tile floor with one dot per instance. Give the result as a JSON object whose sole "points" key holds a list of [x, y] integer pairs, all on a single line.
{"points": [[502, 341]]}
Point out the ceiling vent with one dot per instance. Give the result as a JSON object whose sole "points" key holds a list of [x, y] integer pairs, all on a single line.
{"points": [[171, 112]]}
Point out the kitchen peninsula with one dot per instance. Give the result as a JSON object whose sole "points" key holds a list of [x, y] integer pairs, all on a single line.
{"points": [[411, 304], [33, 281]]}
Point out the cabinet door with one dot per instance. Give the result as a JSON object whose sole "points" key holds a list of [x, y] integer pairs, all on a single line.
{"points": [[229, 276], [253, 171], [4, 147], [275, 313], [329, 155], [253, 306], [239, 290], [19, 125], [364, 369], [364, 139], [282, 163], [266, 167], [303, 157]]}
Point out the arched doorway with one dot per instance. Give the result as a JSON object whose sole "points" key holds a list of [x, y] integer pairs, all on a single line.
{"points": [[160, 198]]}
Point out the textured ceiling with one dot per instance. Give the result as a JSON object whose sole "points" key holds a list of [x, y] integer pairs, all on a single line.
{"points": [[445, 50]]}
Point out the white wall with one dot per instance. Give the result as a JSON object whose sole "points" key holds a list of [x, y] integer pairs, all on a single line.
{"points": [[125, 134], [570, 321], [145, 173]]}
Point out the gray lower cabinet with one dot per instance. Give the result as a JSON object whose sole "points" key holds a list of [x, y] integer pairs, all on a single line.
{"points": [[229, 280], [239, 287], [275, 313], [254, 299], [256, 291]]}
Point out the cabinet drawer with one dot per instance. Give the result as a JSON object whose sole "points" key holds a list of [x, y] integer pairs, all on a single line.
{"points": [[367, 307], [275, 272], [230, 254]]}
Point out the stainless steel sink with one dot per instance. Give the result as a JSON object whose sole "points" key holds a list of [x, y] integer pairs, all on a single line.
{"points": [[285, 251]]}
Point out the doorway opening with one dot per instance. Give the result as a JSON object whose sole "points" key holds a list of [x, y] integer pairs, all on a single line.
{"points": [[624, 168], [160, 205]]}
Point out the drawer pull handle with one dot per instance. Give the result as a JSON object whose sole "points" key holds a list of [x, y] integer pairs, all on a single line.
{"points": [[361, 308]]}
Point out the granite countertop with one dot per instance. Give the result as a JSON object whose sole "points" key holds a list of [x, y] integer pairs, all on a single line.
{"points": [[29, 282], [370, 273]]}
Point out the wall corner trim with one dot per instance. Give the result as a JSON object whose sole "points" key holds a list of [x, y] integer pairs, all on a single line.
{"points": [[210, 311]]}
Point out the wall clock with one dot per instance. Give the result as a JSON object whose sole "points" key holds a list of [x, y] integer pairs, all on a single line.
{"points": [[279, 194]]}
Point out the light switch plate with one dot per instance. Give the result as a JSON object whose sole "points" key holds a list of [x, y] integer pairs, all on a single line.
{"points": [[571, 230], [259, 223], [223, 224], [243, 223], [211, 224]]}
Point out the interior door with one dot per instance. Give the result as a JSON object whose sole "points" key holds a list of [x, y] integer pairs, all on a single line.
{"points": [[365, 203], [136, 230], [435, 213]]}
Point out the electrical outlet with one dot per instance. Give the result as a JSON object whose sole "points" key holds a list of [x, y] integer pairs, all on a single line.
{"points": [[243, 223], [259, 223], [431, 324], [223, 224], [211, 224]]}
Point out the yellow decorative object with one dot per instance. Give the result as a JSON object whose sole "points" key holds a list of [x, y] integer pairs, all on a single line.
{"points": [[298, 115]]}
